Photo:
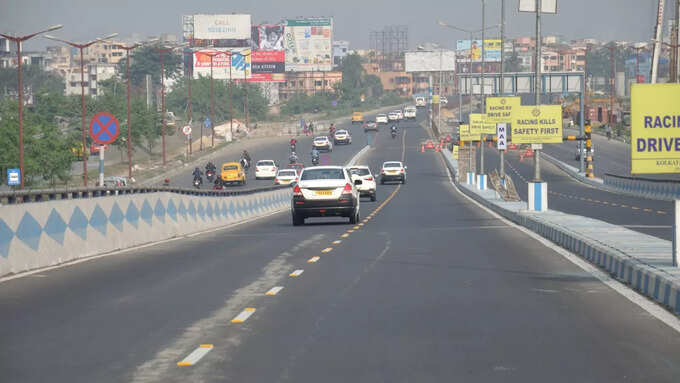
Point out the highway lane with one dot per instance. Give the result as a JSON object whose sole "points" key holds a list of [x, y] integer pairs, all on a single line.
{"points": [[430, 289], [648, 216], [611, 156], [280, 151]]}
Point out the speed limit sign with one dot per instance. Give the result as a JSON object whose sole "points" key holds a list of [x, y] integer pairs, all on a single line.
{"points": [[186, 130]]}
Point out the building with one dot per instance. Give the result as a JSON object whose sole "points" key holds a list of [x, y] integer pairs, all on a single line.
{"points": [[104, 53], [94, 73], [59, 59], [398, 82], [340, 50], [308, 83]]}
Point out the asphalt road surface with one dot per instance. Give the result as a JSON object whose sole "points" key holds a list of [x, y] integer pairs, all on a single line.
{"points": [[430, 289]]}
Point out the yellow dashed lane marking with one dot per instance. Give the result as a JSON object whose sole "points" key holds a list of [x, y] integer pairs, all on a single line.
{"points": [[345, 235], [337, 242], [661, 212], [244, 315], [296, 273], [356, 227], [274, 290], [327, 250], [313, 259], [195, 355]]}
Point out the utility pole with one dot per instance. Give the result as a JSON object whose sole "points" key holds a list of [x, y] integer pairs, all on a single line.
{"points": [[501, 85], [612, 47], [658, 29], [537, 84]]}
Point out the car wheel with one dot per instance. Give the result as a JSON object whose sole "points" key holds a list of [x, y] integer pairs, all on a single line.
{"points": [[382, 182], [298, 220], [403, 180], [354, 218], [244, 182], [373, 198]]}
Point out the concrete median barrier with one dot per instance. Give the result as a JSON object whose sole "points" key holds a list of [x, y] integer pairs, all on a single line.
{"points": [[38, 235], [641, 261]]}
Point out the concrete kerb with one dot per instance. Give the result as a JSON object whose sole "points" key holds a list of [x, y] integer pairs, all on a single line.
{"points": [[651, 276]]}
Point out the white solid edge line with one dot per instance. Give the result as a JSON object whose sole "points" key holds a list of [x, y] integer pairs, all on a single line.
{"points": [[274, 290], [139, 247], [195, 356], [643, 302]]}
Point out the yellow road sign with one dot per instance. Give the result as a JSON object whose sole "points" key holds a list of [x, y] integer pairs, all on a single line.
{"points": [[537, 124], [655, 128], [480, 125], [455, 152], [465, 135], [499, 109]]}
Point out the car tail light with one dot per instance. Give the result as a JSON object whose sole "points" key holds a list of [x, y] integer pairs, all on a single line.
{"points": [[347, 189], [276, 180], [402, 170], [382, 171], [297, 192], [369, 179]]}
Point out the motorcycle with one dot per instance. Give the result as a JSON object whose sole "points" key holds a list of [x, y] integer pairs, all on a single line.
{"points": [[198, 181], [292, 147], [394, 134], [210, 175], [315, 160], [245, 164], [293, 159]]}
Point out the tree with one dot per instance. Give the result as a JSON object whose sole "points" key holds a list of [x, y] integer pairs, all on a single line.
{"points": [[146, 61], [33, 77]]}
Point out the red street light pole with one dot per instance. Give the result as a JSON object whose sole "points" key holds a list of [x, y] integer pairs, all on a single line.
{"points": [[160, 52], [191, 77], [20, 90], [82, 89], [212, 100]]}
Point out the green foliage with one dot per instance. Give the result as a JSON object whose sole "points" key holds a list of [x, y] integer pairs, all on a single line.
{"points": [[599, 60], [146, 60], [32, 77], [512, 63]]}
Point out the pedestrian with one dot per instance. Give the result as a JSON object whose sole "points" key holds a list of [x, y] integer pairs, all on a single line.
{"points": [[608, 131], [311, 128], [306, 129]]}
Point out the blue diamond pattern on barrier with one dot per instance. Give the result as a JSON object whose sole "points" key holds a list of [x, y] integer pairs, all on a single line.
{"points": [[225, 210], [132, 215], [116, 217], [232, 209], [209, 210], [172, 210], [159, 211], [201, 211], [78, 223], [239, 208], [192, 210], [55, 227], [98, 220], [6, 235], [182, 209], [147, 212]]}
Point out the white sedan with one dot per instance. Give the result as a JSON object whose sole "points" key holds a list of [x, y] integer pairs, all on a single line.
{"points": [[286, 177], [265, 169], [381, 119], [323, 143], [325, 191], [342, 137], [363, 173], [393, 171]]}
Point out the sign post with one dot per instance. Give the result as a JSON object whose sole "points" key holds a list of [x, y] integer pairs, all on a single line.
{"points": [[655, 137], [499, 110], [186, 130], [479, 125], [104, 129], [13, 177]]}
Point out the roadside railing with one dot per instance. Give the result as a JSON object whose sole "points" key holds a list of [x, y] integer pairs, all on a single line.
{"points": [[32, 196]]}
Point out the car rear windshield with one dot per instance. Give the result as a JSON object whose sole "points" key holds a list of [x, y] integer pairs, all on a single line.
{"points": [[265, 163], [322, 174], [360, 171], [287, 173], [392, 165], [341, 132], [230, 167]]}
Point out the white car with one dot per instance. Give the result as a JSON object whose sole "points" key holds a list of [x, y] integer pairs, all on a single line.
{"points": [[393, 116], [325, 191], [368, 186], [285, 177], [393, 171], [265, 169], [410, 112], [381, 119], [443, 100], [400, 114], [342, 137], [323, 143], [420, 102]]}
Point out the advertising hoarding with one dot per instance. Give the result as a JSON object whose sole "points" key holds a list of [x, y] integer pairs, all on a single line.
{"points": [[466, 135], [240, 63], [431, 61], [655, 128], [537, 124], [499, 109], [547, 6], [480, 125], [471, 50], [221, 27], [308, 45], [268, 59]]}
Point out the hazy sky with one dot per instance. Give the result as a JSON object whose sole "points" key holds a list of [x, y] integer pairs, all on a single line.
{"points": [[354, 19]]}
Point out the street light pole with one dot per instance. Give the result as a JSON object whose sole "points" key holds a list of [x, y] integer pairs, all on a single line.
{"points": [[483, 101], [501, 89], [80, 47], [20, 93], [537, 84], [231, 100]]}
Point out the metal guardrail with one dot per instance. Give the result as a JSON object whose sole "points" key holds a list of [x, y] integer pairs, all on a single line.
{"points": [[31, 196], [616, 176]]}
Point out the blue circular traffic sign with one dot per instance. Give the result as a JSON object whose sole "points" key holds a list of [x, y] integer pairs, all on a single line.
{"points": [[104, 128]]}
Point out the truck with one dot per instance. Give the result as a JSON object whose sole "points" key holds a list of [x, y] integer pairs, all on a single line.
{"points": [[410, 112]]}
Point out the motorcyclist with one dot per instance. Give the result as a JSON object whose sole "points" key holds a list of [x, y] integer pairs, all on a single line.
{"points": [[293, 158], [246, 155], [210, 166], [293, 143], [393, 129], [331, 129], [198, 175]]}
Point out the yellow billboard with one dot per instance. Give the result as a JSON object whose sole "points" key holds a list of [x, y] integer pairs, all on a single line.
{"points": [[466, 135], [655, 128], [537, 124], [480, 125], [499, 109]]}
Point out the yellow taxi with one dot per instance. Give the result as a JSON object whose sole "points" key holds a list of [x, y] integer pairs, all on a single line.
{"points": [[357, 117], [232, 172]]}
